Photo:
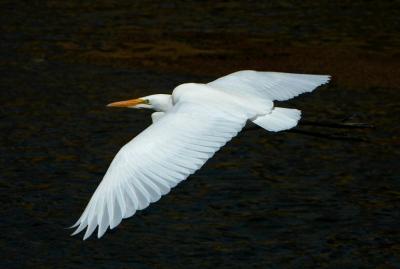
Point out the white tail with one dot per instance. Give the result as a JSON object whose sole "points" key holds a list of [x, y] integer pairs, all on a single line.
{"points": [[280, 119]]}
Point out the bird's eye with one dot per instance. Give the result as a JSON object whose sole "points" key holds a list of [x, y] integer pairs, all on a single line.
{"points": [[146, 101]]}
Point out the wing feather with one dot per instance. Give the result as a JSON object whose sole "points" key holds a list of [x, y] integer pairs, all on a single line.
{"points": [[155, 161], [268, 85]]}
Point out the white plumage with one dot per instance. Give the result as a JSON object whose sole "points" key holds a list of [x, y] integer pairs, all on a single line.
{"points": [[188, 127]]}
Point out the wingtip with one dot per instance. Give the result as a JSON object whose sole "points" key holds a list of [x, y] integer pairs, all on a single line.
{"points": [[75, 232], [79, 229], [100, 235], [73, 226], [88, 234], [324, 79], [76, 224]]}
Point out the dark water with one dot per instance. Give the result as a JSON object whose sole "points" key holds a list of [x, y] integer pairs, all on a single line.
{"points": [[265, 200]]}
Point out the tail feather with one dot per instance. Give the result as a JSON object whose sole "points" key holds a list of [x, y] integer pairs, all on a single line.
{"points": [[280, 119]]}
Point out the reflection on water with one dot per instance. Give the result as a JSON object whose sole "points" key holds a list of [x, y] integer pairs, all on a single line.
{"points": [[265, 200]]}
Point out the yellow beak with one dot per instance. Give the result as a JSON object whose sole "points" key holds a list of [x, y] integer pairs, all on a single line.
{"points": [[128, 103]]}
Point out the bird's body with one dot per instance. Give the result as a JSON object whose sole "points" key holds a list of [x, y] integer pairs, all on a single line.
{"points": [[188, 127]]}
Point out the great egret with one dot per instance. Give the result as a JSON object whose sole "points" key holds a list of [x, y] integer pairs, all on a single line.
{"points": [[188, 127]]}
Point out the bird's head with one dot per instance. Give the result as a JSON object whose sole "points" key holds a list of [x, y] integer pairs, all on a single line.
{"points": [[157, 102]]}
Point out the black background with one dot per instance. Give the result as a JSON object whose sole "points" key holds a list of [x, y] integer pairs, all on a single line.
{"points": [[265, 200]]}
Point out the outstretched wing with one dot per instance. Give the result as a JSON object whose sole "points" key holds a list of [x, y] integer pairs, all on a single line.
{"points": [[268, 85], [156, 160]]}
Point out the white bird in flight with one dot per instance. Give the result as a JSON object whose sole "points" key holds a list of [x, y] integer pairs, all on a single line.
{"points": [[188, 127]]}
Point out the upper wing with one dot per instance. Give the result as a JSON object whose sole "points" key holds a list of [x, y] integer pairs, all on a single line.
{"points": [[268, 85], [164, 154]]}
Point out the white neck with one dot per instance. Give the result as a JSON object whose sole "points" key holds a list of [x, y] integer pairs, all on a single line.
{"points": [[160, 102]]}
